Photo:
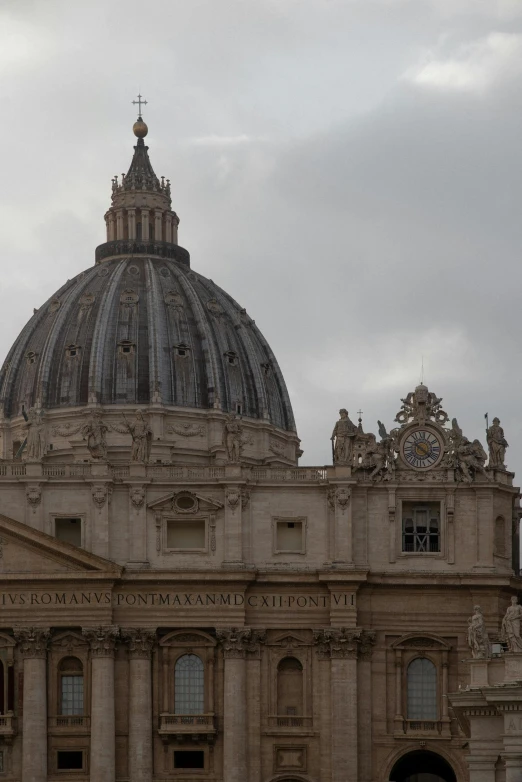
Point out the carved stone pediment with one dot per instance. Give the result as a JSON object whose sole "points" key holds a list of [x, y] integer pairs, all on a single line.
{"points": [[171, 502], [421, 641], [187, 638], [288, 641]]}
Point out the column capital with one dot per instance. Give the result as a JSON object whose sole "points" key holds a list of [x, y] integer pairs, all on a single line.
{"points": [[139, 641], [32, 641], [341, 643], [237, 642], [102, 640]]}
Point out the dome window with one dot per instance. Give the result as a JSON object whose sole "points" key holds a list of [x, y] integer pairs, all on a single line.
{"points": [[182, 350], [30, 356], [71, 351], [126, 348], [232, 358]]}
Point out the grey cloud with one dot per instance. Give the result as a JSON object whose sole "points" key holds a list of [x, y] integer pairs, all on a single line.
{"points": [[363, 221]]}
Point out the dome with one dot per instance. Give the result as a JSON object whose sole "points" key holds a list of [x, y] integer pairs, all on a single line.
{"points": [[141, 328]]}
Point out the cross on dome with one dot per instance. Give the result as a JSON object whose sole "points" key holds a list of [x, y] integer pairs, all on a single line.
{"points": [[139, 103]]}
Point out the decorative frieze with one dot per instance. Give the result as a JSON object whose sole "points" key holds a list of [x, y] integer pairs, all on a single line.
{"points": [[32, 641], [139, 641], [238, 641], [102, 640]]}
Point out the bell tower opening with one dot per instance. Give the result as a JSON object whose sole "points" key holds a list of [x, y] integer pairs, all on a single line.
{"points": [[422, 766]]}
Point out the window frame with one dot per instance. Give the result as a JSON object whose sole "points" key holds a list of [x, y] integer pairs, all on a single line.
{"points": [[81, 516], [186, 519], [303, 521], [201, 685], [63, 674], [435, 667], [442, 552], [81, 770]]}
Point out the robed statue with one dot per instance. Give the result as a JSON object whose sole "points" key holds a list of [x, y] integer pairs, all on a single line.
{"points": [[478, 638], [94, 432], [342, 439], [497, 445], [510, 632], [36, 444]]}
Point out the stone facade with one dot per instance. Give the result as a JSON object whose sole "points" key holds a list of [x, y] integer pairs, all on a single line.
{"points": [[180, 600]]}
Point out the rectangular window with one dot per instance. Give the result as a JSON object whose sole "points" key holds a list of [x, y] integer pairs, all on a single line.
{"points": [[69, 530], [72, 694], [189, 759], [186, 535], [421, 527], [69, 760], [1, 761], [289, 537]]}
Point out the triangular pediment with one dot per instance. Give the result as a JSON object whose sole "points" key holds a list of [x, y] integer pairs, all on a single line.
{"points": [[26, 550], [172, 502]]}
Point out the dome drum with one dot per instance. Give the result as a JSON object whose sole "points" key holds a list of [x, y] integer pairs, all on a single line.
{"points": [[134, 247]]}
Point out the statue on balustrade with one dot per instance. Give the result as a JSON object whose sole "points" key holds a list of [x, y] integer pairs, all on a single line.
{"points": [[342, 439], [510, 632], [497, 446], [141, 434], [36, 445], [94, 432], [478, 638], [232, 438]]}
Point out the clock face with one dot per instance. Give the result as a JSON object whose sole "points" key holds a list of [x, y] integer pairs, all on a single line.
{"points": [[422, 449]]}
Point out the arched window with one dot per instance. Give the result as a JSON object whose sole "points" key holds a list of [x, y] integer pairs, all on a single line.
{"points": [[189, 685], [290, 687], [422, 690], [71, 686]]}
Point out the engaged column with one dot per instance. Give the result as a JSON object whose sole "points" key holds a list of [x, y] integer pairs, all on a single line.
{"points": [[33, 647], [103, 742], [140, 643]]}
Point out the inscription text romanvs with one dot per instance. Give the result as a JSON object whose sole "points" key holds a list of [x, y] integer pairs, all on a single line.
{"points": [[174, 599]]}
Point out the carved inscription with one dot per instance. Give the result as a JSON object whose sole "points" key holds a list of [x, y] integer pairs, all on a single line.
{"points": [[272, 601]]}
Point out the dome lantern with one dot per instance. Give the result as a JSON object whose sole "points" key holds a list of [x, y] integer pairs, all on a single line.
{"points": [[140, 219]]}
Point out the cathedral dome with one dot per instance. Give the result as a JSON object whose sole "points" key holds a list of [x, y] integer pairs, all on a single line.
{"points": [[141, 328]]}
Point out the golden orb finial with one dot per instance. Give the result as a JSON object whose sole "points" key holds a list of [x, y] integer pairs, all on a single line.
{"points": [[140, 128]]}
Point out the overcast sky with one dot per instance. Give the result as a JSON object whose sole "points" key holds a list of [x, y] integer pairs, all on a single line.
{"points": [[348, 170]]}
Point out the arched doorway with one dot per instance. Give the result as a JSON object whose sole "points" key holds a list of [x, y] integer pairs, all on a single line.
{"points": [[422, 766]]}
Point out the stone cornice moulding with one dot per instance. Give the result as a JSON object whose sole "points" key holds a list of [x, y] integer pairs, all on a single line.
{"points": [[168, 498]]}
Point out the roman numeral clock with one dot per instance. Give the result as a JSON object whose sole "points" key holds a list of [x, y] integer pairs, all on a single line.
{"points": [[422, 449]]}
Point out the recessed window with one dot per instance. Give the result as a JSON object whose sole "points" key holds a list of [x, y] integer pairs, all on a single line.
{"points": [[1, 762], [421, 527], [239, 408], [71, 686], [72, 350], [232, 358], [31, 357], [186, 535], [69, 760], [422, 690], [189, 685], [189, 759], [289, 536], [69, 530], [181, 350], [126, 347]]}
